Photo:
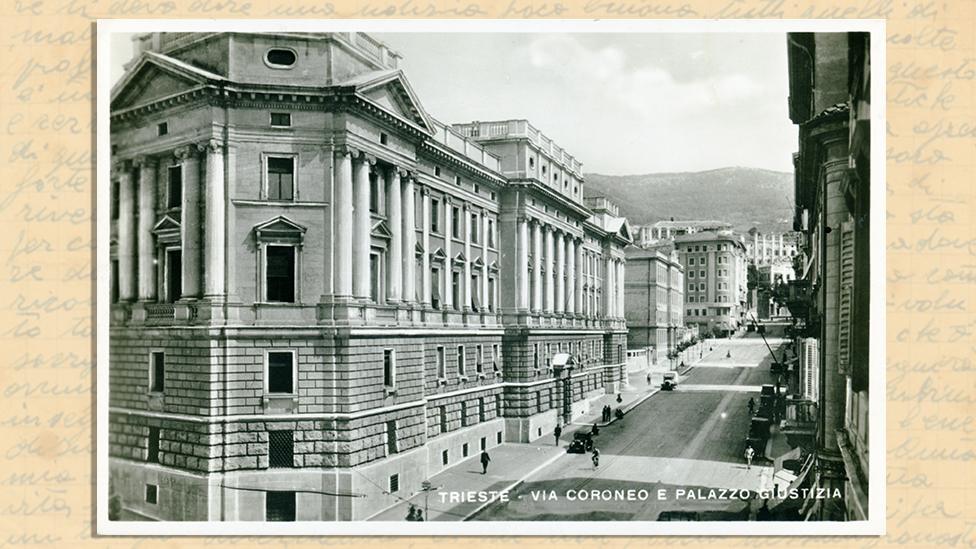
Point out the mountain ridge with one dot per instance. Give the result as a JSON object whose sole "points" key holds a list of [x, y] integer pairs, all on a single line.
{"points": [[745, 197]]}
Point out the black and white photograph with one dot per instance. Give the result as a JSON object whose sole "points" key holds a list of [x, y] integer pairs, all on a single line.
{"points": [[490, 278]]}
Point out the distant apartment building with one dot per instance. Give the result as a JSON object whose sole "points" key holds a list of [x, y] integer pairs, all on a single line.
{"points": [[663, 231], [768, 248], [654, 298], [716, 272], [322, 296]]}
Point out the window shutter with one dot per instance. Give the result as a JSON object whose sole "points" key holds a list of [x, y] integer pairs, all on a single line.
{"points": [[845, 310]]}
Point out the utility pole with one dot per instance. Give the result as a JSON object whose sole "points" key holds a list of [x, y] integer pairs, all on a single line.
{"points": [[426, 487]]}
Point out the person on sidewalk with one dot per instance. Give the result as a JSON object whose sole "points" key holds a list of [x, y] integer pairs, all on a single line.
{"points": [[648, 378], [619, 414], [595, 430], [485, 459], [749, 455], [412, 513], [558, 432], [752, 406]]}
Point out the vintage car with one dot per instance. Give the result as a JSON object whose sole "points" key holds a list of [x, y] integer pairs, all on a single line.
{"points": [[581, 444], [670, 381]]}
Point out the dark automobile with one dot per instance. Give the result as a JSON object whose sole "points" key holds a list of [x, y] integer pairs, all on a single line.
{"points": [[581, 444], [670, 381]]}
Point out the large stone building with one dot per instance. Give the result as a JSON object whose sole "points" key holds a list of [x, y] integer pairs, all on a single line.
{"points": [[830, 80], [716, 272], [769, 248], [661, 232], [323, 296], [654, 302]]}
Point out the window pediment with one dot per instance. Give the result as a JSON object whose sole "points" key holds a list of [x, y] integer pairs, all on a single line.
{"points": [[167, 230], [381, 230], [438, 256], [459, 259], [280, 230]]}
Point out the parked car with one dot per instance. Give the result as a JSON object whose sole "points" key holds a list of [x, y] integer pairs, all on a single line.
{"points": [[670, 381]]}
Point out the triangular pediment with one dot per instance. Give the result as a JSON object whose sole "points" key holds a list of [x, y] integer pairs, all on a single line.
{"points": [[393, 93], [166, 224], [419, 248], [154, 77], [624, 231], [279, 229], [381, 230], [493, 267], [478, 263], [459, 258]]}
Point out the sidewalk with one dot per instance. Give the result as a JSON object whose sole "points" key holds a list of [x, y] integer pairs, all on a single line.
{"points": [[630, 395], [510, 464]]}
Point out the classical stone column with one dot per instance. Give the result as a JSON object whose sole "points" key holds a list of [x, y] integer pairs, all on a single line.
{"points": [[394, 255], [537, 266], [343, 210], [522, 266], [425, 240], [448, 289], [215, 222], [466, 276], [550, 270], [147, 218], [361, 227], [409, 241], [127, 234], [571, 286], [191, 248], [578, 246], [621, 287], [560, 273], [483, 219]]}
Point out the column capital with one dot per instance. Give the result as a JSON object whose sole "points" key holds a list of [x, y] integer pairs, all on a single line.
{"points": [[211, 146], [403, 172], [424, 189], [344, 150], [143, 161], [185, 152]]}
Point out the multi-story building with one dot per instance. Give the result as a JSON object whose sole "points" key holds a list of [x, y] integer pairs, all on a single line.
{"points": [[654, 302], [715, 280], [322, 295], [830, 76], [665, 231], [768, 248]]}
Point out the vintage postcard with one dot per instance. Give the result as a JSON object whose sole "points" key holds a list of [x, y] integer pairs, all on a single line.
{"points": [[476, 278]]}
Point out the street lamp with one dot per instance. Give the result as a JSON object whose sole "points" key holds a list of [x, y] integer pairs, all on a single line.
{"points": [[426, 487]]}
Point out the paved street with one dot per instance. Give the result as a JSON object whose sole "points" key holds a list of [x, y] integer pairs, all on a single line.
{"points": [[682, 440]]}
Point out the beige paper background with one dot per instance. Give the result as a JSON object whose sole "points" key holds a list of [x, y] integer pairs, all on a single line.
{"points": [[47, 256]]}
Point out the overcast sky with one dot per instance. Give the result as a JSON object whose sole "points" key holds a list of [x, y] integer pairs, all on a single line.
{"points": [[620, 103]]}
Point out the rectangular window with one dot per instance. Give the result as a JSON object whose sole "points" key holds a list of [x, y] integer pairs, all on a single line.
{"points": [[114, 208], [435, 216], [456, 289], [443, 414], [704, 261], [498, 437], [157, 372], [152, 494], [114, 275], [460, 360], [691, 261], [464, 414], [280, 273], [475, 293], [281, 449], [375, 282], [279, 506], [280, 374], [174, 187], [456, 222], [174, 275], [535, 356], [484, 443], [474, 228], [384, 139], [444, 460], [281, 178], [479, 365], [481, 409], [491, 294], [374, 192], [389, 369], [391, 437], [464, 450], [162, 128], [701, 274], [394, 483], [281, 119], [457, 180], [495, 362], [435, 288], [491, 233], [441, 366], [152, 445]]}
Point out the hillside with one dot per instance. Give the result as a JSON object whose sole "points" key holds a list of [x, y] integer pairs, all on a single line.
{"points": [[744, 197]]}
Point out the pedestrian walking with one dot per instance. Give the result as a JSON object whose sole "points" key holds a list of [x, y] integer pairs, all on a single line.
{"points": [[420, 516], [749, 454], [595, 430], [648, 378], [728, 354], [485, 459], [596, 457], [558, 432], [752, 406], [412, 513], [619, 414], [620, 398]]}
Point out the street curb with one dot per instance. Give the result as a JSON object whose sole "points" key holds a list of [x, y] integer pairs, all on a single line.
{"points": [[625, 410], [512, 486]]}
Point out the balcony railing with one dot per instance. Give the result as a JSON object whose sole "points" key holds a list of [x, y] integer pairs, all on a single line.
{"points": [[521, 128]]}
